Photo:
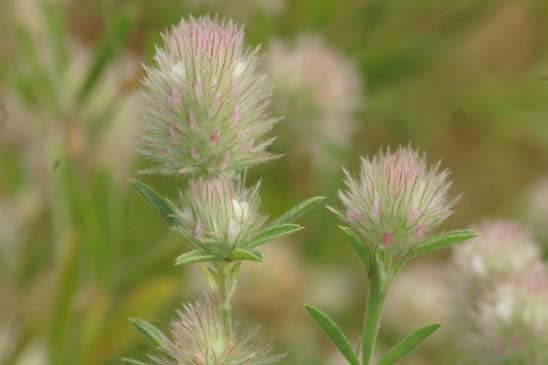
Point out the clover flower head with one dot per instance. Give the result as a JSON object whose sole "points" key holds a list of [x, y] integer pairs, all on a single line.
{"points": [[198, 339], [502, 248], [512, 322], [205, 102], [219, 215], [319, 103], [397, 200]]}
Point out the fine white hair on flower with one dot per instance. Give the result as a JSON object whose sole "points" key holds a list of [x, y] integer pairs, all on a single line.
{"points": [[510, 325], [205, 107], [318, 91], [197, 338], [396, 199], [219, 215]]}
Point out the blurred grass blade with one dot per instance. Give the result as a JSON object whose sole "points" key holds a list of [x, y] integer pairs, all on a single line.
{"points": [[334, 333], [241, 254], [443, 241], [133, 361], [272, 233], [156, 201], [30, 62], [358, 246], [54, 21], [193, 257], [116, 36], [403, 348], [298, 211], [152, 333]]}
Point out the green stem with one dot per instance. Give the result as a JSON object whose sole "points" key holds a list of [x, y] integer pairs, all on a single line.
{"points": [[372, 319], [226, 285]]}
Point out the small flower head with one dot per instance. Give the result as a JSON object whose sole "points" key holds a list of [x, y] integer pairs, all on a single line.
{"points": [[396, 200], [319, 103], [205, 103], [511, 324], [219, 215], [502, 249], [198, 339]]}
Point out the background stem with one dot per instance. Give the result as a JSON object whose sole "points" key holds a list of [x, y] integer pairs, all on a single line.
{"points": [[372, 319]]}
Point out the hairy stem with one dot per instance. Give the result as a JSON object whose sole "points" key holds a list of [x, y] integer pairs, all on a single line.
{"points": [[226, 285], [372, 318]]}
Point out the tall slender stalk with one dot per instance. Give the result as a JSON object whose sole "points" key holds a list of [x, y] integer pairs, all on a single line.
{"points": [[373, 313]]}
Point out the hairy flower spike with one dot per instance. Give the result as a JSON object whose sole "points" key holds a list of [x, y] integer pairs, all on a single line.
{"points": [[511, 323], [503, 248], [204, 79], [397, 200], [319, 103], [224, 213], [198, 339]]}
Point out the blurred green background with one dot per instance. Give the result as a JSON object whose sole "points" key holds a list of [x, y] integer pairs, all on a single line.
{"points": [[80, 251]]}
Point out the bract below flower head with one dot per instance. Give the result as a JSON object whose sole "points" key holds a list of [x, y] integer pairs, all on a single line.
{"points": [[219, 215], [205, 103], [198, 339], [397, 200]]}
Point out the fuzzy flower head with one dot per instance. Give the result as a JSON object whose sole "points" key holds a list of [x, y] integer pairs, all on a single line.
{"points": [[317, 90], [512, 322], [205, 108], [396, 201], [502, 249], [219, 215], [198, 339]]}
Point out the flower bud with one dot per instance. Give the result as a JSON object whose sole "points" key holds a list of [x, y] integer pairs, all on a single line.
{"points": [[198, 339], [219, 215]]}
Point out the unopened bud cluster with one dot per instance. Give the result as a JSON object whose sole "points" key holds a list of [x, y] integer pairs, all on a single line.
{"points": [[198, 339], [397, 200], [219, 215]]}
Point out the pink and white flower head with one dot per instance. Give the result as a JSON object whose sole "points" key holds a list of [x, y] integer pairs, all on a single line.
{"points": [[397, 200], [205, 108], [503, 248], [198, 339], [318, 91], [219, 215], [511, 324]]}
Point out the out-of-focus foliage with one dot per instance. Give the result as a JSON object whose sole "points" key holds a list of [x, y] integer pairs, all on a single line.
{"points": [[80, 252]]}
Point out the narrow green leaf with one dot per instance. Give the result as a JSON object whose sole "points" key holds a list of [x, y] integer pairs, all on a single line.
{"points": [[152, 333], [445, 240], [133, 361], [193, 257], [117, 34], [156, 201], [298, 211], [358, 246], [241, 254], [334, 333], [272, 233], [408, 344]]}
